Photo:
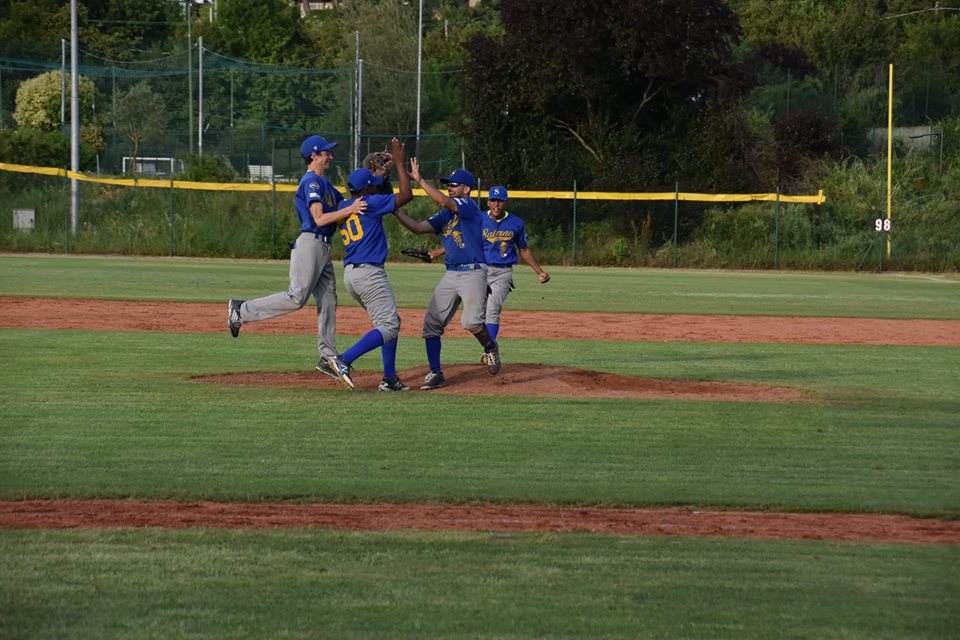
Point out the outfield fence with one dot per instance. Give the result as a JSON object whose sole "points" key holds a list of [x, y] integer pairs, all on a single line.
{"points": [[274, 188]]}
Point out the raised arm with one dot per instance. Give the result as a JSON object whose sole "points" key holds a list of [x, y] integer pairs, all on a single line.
{"points": [[405, 193], [436, 195]]}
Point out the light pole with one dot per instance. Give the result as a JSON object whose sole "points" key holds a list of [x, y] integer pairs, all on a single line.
{"points": [[63, 84], [74, 120], [416, 148], [200, 99], [357, 87], [186, 5]]}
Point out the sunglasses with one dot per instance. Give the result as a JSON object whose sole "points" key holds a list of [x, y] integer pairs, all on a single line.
{"points": [[453, 184]]}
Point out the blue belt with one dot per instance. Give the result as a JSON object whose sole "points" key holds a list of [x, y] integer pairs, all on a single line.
{"points": [[463, 267], [318, 236], [379, 265]]}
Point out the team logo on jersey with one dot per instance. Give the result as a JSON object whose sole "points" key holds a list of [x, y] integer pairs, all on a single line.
{"points": [[450, 230]]}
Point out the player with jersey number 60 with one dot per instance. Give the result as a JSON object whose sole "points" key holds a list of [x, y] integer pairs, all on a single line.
{"points": [[366, 249]]}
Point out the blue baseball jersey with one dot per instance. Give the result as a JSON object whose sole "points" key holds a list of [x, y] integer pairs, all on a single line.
{"points": [[314, 188], [460, 232], [502, 238], [363, 237]]}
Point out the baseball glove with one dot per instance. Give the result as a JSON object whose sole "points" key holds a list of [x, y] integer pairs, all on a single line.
{"points": [[422, 254], [379, 163]]}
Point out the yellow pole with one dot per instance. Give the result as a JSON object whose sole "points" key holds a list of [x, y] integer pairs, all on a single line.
{"points": [[889, 155]]}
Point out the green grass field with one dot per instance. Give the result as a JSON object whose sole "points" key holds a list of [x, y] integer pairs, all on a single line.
{"points": [[115, 414]]}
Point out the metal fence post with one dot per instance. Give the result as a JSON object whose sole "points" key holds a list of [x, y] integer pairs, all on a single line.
{"points": [[170, 220], [573, 256], [273, 199], [66, 213], [776, 234], [676, 221]]}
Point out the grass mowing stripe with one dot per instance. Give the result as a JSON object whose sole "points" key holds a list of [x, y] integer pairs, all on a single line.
{"points": [[572, 288], [310, 583], [98, 414]]}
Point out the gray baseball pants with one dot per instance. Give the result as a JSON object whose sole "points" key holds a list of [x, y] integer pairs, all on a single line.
{"points": [[369, 286], [311, 272], [456, 286], [499, 282]]}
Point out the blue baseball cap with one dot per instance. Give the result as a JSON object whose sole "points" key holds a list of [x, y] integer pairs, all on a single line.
{"points": [[497, 193], [361, 178], [459, 176], [313, 144]]}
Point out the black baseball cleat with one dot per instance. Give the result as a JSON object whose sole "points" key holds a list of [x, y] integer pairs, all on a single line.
{"points": [[492, 360], [233, 317], [393, 385], [342, 369], [433, 380], [323, 367]]}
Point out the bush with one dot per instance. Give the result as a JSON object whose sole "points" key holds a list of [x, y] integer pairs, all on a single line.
{"points": [[208, 169], [36, 148]]}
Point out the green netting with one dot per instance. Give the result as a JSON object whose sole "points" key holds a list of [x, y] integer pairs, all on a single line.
{"points": [[254, 114]]}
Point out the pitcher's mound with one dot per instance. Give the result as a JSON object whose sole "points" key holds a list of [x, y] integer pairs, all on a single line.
{"points": [[535, 380]]}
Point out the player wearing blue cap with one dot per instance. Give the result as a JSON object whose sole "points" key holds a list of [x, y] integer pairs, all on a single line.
{"points": [[311, 267], [366, 249], [504, 238], [459, 225]]}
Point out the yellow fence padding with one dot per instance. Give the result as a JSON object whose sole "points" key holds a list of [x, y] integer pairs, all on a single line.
{"points": [[819, 198]]}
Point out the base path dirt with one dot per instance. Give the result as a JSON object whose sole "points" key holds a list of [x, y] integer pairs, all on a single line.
{"points": [[116, 315], [60, 514]]}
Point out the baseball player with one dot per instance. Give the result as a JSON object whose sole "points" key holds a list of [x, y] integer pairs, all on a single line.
{"points": [[504, 238], [458, 224], [363, 274], [311, 268]]}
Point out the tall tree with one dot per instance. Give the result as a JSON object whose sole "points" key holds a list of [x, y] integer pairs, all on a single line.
{"points": [[141, 116], [39, 101], [127, 29], [33, 28], [260, 30], [606, 74], [388, 47]]}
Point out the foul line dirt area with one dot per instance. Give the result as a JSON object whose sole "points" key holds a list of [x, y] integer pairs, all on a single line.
{"points": [[528, 379]]}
